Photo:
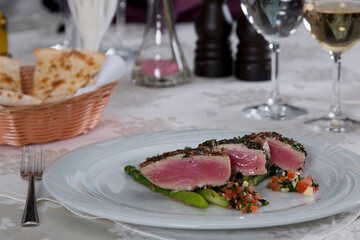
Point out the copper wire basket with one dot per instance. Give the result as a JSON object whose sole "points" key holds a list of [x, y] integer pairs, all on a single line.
{"points": [[51, 121]]}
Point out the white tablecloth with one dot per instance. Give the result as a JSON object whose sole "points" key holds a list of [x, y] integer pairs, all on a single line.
{"points": [[305, 81]]}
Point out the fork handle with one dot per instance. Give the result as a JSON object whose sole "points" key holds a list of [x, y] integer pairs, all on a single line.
{"points": [[30, 216]]}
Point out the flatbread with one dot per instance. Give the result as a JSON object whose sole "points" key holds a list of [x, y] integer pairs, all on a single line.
{"points": [[57, 98], [10, 74], [63, 72], [15, 99]]}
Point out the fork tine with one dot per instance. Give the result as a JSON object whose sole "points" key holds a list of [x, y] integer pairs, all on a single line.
{"points": [[42, 160], [36, 161], [32, 171], [22, 165], [29, 159]]}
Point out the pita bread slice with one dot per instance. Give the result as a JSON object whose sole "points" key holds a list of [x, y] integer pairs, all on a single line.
{"points": [[10, 74], [15, 99], [63, 72]]}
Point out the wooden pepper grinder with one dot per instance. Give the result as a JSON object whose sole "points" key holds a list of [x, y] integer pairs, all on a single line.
{"points": [[253, 58], [213, 49]]}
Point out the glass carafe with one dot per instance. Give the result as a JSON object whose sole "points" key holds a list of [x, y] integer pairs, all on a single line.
{"points": [[160, 61]]}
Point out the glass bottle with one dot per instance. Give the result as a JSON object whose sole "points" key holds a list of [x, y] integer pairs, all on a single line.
{"points": [[160, 61], [3, 35]]}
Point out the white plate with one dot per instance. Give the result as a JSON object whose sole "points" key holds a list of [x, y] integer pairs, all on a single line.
{"points": [[92, 180]]}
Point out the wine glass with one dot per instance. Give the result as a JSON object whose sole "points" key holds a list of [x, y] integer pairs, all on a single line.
{"points": [[336, 25], [274, 20], [121, 46], [72, 37]]}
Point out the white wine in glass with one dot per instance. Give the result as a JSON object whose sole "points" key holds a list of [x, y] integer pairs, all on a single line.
{"points": [[336, 25], [275, 20]]}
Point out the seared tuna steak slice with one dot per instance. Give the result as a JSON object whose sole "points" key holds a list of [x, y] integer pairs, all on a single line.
{"points": [[285, 153], [187, 169], [247, 157]]}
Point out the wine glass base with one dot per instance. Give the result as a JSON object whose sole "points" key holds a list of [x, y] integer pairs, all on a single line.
{"points": [[61, 46], [326, 123], [273, 112], [124, 53]]}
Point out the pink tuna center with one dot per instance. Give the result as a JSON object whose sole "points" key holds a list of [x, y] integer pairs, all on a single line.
{"points": [[249, 163], [284, 156], [186, 174]]}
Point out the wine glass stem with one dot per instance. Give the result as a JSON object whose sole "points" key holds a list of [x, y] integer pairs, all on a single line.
{"points": [[68, 24], [120, 18], [335, 109], [275, 98]]}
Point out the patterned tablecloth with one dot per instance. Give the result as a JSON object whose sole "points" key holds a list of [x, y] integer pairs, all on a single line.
{"points": [[305, 80]]}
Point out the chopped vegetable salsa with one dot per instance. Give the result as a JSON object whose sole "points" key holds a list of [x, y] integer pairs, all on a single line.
{"points": [[242, 197], [291, 181]]}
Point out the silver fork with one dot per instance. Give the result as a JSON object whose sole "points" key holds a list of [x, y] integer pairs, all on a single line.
{"points": [[32, 170]]}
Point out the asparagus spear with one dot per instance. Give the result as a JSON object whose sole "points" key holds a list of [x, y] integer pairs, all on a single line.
{"points": [[190, 198], [213, 197], [255, 180]]}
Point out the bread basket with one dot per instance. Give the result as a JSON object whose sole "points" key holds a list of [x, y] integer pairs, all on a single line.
{"points": [[48, 122]]}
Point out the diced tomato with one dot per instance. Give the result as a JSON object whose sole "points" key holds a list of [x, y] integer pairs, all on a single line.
{"points": [[251, 189], [309, 177], [282, 178], [274, 179], [249, 197], [253, 208], [275, 186], [291, 174], [228, 192], [303, 184], [239, 189], [258, 196], [234, 195], [244, 209]]}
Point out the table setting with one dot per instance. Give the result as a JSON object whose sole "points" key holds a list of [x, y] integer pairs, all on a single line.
{"points": [[158, 103]]}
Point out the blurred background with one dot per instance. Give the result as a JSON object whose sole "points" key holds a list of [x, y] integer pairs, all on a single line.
{"points": [[184, 10]]}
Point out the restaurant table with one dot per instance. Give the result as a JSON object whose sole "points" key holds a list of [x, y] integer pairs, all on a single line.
{"points": [[305, 81]]}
